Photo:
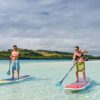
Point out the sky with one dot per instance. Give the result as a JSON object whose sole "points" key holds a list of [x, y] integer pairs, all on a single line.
{"points": [[50, 24]]}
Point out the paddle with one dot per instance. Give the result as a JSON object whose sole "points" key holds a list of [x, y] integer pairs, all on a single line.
{"points": [[59, 83], [8, 73]]}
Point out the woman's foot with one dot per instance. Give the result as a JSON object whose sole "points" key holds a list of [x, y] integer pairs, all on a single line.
{"points": [[84, 80], [77, 81]]}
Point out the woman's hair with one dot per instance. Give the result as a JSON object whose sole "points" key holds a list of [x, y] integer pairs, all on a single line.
{"points": [[77, 47]]}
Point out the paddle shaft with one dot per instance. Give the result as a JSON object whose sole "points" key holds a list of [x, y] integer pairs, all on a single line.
{"points": [[8, 73], [69, 71], [9, 64]]}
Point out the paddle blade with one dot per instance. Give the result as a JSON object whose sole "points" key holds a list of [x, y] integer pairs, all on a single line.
{"points": [[59, 83], [8, 73]]}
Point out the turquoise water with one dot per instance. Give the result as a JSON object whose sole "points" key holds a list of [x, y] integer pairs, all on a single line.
{"points": [[45, 74]]}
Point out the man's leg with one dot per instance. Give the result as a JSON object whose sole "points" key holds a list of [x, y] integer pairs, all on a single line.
{"points": [[18, 73], [12, 73]]}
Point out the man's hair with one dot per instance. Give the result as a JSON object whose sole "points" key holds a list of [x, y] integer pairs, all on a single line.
{"points": [[15, 46]]}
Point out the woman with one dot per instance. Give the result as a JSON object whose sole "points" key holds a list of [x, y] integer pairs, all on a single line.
{"points": [[14, 61], [80, 59]]}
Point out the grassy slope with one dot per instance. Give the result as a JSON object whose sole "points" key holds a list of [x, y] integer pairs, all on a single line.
{"points": [[40, 54]]}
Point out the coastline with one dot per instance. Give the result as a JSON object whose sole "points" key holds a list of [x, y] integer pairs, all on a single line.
{"points": [[26, 54], [54, 59]]}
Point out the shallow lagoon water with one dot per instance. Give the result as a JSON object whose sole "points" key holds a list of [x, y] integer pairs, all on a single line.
{"points": [[44, 76]]}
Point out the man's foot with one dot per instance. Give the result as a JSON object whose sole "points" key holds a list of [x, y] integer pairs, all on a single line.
{"points": [[17, 77], [12, 78]]}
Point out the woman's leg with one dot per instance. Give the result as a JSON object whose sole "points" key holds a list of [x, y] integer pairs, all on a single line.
{"points": [[84, 74], [77, 75]]}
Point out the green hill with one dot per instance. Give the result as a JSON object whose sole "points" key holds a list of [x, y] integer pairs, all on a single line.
{"points": [[41, 54]]}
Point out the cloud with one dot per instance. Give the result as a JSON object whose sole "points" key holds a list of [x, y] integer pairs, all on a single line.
{"points": [[50, 24]]}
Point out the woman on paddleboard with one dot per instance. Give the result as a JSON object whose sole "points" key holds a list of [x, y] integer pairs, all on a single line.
{"points": [[80, 59], [14, 61]]}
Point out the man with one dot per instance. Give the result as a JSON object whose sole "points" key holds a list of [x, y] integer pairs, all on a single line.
{"points": [[80, 59], [14, 61]]}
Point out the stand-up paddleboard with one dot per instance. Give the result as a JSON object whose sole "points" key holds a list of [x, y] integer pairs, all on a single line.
{"points": [[7, 81], [78, 85]]}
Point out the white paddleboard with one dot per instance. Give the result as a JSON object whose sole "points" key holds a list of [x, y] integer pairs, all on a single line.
{"points": [[78, 85], [6, 81]]}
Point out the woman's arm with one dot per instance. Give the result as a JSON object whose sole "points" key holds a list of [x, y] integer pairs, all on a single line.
{"points": [[84, 51], [74, 56]]}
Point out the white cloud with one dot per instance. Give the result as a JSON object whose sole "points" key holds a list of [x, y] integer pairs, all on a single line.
{"points": [[50, 24]]}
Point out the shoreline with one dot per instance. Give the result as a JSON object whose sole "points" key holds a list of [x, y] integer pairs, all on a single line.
{"points": [[60, 59]]}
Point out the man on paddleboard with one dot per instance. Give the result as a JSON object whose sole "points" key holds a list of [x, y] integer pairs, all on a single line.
{"points": [[14, 61], [80, 65]]}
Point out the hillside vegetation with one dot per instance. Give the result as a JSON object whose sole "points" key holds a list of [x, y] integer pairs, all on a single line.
{"points": [[41, 54]]}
